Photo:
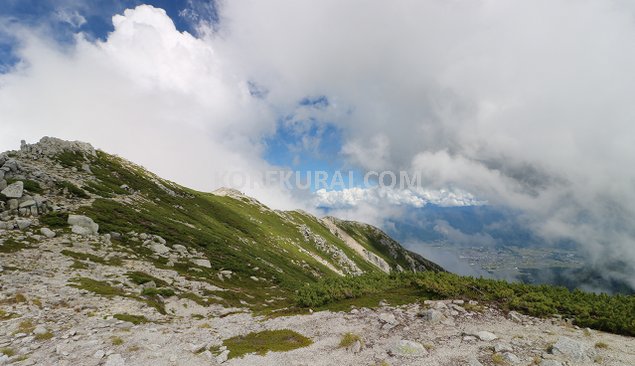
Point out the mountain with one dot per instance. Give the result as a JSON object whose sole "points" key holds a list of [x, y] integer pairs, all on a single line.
{"points": [[225, 237], [105, 263]]}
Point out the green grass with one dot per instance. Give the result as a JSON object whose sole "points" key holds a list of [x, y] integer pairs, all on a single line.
{"points": [[11, 246], [54, 220], [30, 185], [99, 287], [70, 159], [10, 352], [116, 341], [134, 319], [44, 336], [141, 277], [261, 343], [348, 339], [73, 190], [115, 261], [4, 315], [165, 292]]}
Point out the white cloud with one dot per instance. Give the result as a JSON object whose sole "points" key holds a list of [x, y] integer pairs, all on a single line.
{"points": [[74, 18], [380, 196]]}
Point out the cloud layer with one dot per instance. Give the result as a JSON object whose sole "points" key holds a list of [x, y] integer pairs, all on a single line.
{"points": [[526, 105]]}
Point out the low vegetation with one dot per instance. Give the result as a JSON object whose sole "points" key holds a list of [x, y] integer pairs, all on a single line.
{"points": [[134, 319], [614, 314], [348, 339], [268, 341]]}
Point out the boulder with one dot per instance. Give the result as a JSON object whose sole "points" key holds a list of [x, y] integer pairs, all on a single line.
{"points": [[3, 183], [202, 263], [115, 360], [502, 347], [159, 248], [83, 225], [511, 358], [571, 348], [550, 363], [23, 223], [387, 318], [47, 232], [433, 316], [408, 348], [486, 336], [223, 356], [14, 190]]}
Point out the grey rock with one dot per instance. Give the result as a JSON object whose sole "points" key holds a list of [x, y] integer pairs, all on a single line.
{"points": [[3, 183], [40, 330], [202, 263], [511, 358], [159, 248], [14, 190], [473, 361], [115, 360], [223, 356], [570, 348], [387, 318], [502, 347], [13, 204], [23, 223], [433, 316], [356, 347], [486, 336], [27, 203], [99, 354], [47, 232], [550, 363], [408, 348], [83, 225]]}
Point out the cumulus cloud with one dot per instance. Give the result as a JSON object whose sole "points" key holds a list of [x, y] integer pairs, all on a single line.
{"points": [[526, 105], [148, 92], [413, 197], [523, 104]]}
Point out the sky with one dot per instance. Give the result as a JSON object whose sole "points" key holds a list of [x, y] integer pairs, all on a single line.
{"points": [[525, 106]]}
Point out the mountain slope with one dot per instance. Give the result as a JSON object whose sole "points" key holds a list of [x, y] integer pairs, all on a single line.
{"points": [[228, 240]]}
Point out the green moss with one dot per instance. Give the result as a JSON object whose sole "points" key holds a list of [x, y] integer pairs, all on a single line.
{"points": [[115, 261], [116, 341], [99, 287], [55, 220], [10, 246], [165, 292], [44, 336], [267, 341], [70, 159], [141, 277], [10, 352], [72, 189], [4, 315], [348, 339], [134, 319]]}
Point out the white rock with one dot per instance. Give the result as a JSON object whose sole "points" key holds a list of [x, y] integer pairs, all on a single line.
{"points": [[511, 358], [550, 363], [40, 330], [202, 263], [99, 354], [502, 347], [23, 223], [408, 349], [223, 356], [159, 248], [83, 225], [47, 232], [115, 360], [387, 318], [433, 316], [14, 190], [486, 336], [570, 348]]}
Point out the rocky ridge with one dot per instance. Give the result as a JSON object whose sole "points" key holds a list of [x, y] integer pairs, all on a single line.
{"points": [[76, 291]]}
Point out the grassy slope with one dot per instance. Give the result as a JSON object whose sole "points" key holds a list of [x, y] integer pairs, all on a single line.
{"points": [[236, 234]]}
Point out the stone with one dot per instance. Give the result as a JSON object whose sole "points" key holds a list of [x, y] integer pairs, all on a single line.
{"points": [[202, 263], [433, 316], [159, 248], [27, 203], [511, 358], [181, 249], [486, 336], [99, 354], [356, 347], [3, 183], [408, 348], [115, 360], [223, 356], [83, 225], [570, 348], [13, 204], [550, 363], [473, 361], [23, 223], [502, 347], [14, 190], [40, 330], [387, 318], [515, 317]]}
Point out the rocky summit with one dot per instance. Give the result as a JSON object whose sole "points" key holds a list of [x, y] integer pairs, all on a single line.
{"points": [[105, 263]]}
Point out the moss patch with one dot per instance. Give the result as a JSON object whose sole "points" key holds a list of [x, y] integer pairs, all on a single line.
{"points": [[268, 341], [134, 319]]}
